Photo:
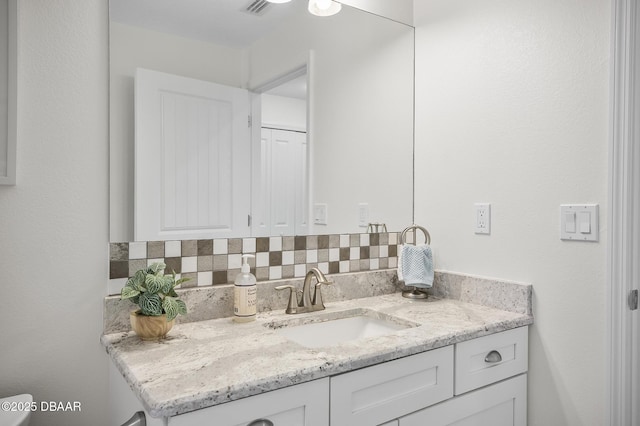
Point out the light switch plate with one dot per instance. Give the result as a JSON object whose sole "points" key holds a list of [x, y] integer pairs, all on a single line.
{"points": [[363, 215], [320, 214], [579, 222]]}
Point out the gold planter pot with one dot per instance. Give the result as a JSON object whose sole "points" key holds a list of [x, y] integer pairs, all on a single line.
{"points": [[150, 327]]}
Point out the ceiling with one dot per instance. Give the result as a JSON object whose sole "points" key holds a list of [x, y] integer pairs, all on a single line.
{"points": [[224, 22]]}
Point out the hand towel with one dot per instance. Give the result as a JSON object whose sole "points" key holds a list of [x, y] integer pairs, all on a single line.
{"points": [[415, 265]]}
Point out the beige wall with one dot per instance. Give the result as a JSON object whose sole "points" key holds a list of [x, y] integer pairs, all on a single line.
{"points": [[54, 223], [512, 109]]}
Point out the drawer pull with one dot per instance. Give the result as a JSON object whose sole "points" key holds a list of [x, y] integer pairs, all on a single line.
{"points": [[493, 357], [261, 422]]}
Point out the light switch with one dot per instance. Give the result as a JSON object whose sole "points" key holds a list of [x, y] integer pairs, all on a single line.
{"points": [[579, 222], [584, 219], [320, 213], [570, 222]]}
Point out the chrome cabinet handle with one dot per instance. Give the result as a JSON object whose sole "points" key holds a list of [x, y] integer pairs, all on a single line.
{"points": [[138, 419], [493, 357], [261, 422]]}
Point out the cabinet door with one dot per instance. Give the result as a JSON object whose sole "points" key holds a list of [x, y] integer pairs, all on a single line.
{"points": [[489, 359], [306, 404], [384, 392], [502, 404]]}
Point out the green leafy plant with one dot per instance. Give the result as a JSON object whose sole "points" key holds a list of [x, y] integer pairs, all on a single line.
{"points": [[154, 292]]}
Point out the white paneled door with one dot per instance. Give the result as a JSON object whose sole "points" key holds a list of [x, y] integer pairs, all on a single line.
{"points": [[192, 158]]}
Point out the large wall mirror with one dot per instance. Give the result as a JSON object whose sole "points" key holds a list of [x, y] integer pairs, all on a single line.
{"points": [[234, 118]]}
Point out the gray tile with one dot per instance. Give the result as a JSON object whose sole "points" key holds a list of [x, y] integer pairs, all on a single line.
{"points": [[192, 282], [374, 239], [374, 252], [136, 265], [288, 271], [220, 262], [262, 273], [364, 264], [354, 240], [383, 263], [384, 239], [354, 265], [174, 264], [334, 267], [231, 275], [323, 241], [345, 253], [364, 252], [155, 249], [300, 242], [275, 258], [118, 269], [323, 255], [189, 248], [119, 251], [312, 242], [300, 257], [334, 240], [235, 245], [262, 244], [205, 263], [220, 277], [288, 243], [205, 248]]}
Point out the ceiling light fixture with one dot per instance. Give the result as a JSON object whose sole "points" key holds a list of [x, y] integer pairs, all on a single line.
{"points": [[324, 7]]}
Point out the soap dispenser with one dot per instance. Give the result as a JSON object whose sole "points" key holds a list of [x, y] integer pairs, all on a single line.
{"points": [[244, 300]]}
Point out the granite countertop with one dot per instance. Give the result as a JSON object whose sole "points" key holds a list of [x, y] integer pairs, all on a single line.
{"points": [[205, 363]]}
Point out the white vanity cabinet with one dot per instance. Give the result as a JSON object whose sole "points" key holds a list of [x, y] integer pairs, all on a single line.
{"points": [[478, 382], [383, 392], [502, 404], [306, 404], [490, 384]]}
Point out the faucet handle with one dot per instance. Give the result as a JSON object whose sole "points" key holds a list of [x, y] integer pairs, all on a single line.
{"points": [[317, 294], [292, 306]]}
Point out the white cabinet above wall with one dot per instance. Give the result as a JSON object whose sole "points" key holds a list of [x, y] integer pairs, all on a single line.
{"points": [[8, 92]]}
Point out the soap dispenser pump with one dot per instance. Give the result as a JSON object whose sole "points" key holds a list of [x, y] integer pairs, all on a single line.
{"points": [[244, 300]]}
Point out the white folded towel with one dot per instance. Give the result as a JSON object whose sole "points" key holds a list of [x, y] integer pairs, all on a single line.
{"points": [[415, 265]]}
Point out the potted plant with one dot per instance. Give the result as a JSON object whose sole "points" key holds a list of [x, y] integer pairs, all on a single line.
{"points": [[154, 293]]}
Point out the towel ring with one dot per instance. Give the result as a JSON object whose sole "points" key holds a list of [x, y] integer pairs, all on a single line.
{"points": [[416, 293], [403, 235]]}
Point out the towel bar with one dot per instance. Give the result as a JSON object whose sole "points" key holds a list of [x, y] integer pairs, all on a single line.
{"points": [[415, 293]]}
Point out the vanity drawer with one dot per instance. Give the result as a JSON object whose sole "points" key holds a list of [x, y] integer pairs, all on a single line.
{"points": [[305, 404], [488, 359], [377, 394]]}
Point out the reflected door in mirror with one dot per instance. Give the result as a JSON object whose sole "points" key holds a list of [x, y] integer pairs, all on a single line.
{"points": [[283, 194], [192, 158]]}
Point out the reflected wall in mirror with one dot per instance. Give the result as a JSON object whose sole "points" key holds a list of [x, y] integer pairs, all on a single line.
{"points": [[351, 130]]}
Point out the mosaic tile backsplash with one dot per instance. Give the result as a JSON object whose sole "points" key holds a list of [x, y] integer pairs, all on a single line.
{"points": [[218, 261]]}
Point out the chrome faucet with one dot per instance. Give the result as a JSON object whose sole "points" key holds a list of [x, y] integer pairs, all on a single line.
{"points": [[303, 301]]}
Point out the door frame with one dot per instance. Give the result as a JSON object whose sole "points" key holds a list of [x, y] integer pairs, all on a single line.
{"points": [[624, 232]]}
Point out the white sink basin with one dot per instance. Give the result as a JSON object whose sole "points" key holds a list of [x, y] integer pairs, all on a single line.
{"points": [[323, 331]]}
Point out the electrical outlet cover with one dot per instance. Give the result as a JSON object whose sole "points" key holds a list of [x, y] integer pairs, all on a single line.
{"points": [[482, 218]]}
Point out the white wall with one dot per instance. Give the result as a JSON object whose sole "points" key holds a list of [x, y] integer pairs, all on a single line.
{"points": [[54, 223], [284, 113], [398, 10], [512, 109], [133, 47], [360, 117]]}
